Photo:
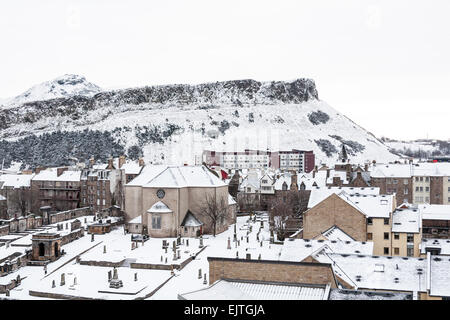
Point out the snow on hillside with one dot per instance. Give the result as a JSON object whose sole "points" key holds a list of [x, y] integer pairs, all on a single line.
{"points": [[411, 145], [173, 124], [64, 86]]}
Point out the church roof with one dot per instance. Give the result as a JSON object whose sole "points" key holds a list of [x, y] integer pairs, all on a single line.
{"points": [[190, 220]]}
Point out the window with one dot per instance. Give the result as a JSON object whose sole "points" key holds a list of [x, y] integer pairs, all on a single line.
{"points": [[405, 181], [369, 221], [369, 236], [406, 191], [396, 236], [410, 237], [421, 179], [410, 251], [386, 236], [386, 221], [386, 250], [427, 179], [156, 222], [397, 251], [395, 181], [417, 189]]}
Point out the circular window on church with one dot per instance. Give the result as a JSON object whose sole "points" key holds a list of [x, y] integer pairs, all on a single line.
{"points": [[160, 193]]}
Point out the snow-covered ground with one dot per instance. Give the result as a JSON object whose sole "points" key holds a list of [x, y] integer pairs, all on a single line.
{"points": [[92, 279]]}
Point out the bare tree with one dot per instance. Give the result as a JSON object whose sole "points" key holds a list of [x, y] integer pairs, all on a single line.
{"points": [[215, 210], [284, 206]]}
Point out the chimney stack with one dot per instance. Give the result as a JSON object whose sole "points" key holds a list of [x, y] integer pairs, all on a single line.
{"points": [[110, 163], [122, 159], [59, 171]]}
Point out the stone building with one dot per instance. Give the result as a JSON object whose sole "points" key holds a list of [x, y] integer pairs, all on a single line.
{"points": [[16, 188], [46, 246], [57, 188], [163, 195], [363, 217]]}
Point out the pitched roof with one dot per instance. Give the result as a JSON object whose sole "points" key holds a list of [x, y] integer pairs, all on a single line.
{"points": [[257, 290], [159, 207], [190, 220], [186, 176]]}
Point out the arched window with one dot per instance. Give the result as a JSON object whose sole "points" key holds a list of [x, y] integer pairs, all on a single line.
{"points": [[56, 249], [41, 249]]}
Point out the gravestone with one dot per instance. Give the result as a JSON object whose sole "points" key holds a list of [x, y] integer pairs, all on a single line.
{"points": [[187, 242], [53, 284], [109, 275], [201, 242], [104, 249], [63, 279], [229, 244], [92, 237], [204, 279], [135, 276], [74, 281], [115, 283], [248, 256], [199, 273]]}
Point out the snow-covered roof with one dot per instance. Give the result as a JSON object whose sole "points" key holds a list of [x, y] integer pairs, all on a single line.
{"points": [[298, 249], [15, 180], [190, 220], [231, 200], [435, 169], [186, 176], [406, 220], [373, 206], [51, 175], [131, 167], [379, 272], [301, 178], [442, 244], [138, 219], [159, 207], [434, 211], [392, 171], [440, 276], [343, 294], [335, 173], [318, 194], [255, 290], [148, 173], [335, 233]]}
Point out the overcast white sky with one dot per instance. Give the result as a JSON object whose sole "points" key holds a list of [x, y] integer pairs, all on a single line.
{"points": [[384, 64]]}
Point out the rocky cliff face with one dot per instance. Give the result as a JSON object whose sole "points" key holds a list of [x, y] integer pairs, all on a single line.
{"points": [[175, 123], [237, 92]]}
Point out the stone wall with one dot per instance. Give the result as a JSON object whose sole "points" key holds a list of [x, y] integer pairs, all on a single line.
{"points": [[271, 271], [69, 214], [334, 211]]}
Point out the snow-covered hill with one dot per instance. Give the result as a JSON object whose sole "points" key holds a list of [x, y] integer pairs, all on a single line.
{"points": [[422, 148], [64, 86], [175, 123]]}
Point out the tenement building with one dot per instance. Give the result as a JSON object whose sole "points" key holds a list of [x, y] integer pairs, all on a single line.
{"points": [[57, 188]]}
